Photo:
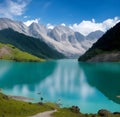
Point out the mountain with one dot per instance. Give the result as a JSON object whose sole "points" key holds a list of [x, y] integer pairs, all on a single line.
{"points": [[94, 35], [91, 38], [71, 44], [62, 39], [28, 44], [74, 40], [67, 37], [79, 37], [6, 23], [36, 30], [107, 48]]}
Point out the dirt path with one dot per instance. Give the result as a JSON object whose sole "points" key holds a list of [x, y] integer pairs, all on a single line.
{"points": [[44, 114]]}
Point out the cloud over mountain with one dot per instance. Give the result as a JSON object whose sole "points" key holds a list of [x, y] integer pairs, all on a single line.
{"points": [[86, 27]]}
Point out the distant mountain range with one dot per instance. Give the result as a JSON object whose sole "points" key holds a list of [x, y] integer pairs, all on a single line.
{"points": [[107, 48], [59, 42]]}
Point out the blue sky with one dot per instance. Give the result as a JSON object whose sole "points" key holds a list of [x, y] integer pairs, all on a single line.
{"points": [[67, 11], [71, 11], [57, 12]]}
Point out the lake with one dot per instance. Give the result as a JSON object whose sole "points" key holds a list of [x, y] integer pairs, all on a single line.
{"points": [[91, 86]]}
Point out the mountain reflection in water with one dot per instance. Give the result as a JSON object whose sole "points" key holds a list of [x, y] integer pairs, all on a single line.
{"points": [[91, 86]]}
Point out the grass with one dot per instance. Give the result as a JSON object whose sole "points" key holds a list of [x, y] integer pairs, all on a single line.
{"points": [[13, 108], [13, 53], [66, 112]]}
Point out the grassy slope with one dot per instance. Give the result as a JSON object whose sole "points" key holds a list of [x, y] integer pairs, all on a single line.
{"points": [[13, 108], [14, 53], [66, 112]]}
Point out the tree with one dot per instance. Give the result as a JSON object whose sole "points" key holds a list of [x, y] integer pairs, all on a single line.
{"points": [[41, 99]]}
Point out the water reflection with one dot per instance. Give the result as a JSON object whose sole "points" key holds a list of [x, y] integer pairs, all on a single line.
{"points": [[66, 83], [15, 73], [105, 77], [70, 82], [3, 69]]}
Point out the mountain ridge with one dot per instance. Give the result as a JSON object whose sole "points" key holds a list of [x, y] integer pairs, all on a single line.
{"points": [[62, 39]]}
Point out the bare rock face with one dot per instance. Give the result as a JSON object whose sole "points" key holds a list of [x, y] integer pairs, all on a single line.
{"points": [[104, 113], [5, 51], [112, 57]]}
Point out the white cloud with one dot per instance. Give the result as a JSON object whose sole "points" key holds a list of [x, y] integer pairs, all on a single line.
{"points": [[50, 26], [29, 22], [63, 24], [11, 8], [86, 27]]}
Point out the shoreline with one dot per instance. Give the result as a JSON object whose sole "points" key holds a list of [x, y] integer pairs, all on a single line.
{"points": [[44, 108], [20, 98], [118, 96]]}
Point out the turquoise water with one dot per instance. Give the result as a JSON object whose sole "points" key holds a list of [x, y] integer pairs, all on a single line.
{"points": [[91, 86]]}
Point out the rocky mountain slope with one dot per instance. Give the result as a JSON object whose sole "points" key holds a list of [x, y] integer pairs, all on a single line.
{"points": [[62, 39]]}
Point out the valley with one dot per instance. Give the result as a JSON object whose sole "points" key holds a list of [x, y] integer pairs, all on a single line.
{"points": [[59, 58], [57, 43]]}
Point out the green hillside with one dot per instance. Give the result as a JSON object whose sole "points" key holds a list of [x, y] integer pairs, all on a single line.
{"points": [[9, 52], [13, 108]]}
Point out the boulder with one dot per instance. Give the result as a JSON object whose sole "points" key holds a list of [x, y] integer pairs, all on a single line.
{"points": [[116, 113], [75, 109], [104, 113]]}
